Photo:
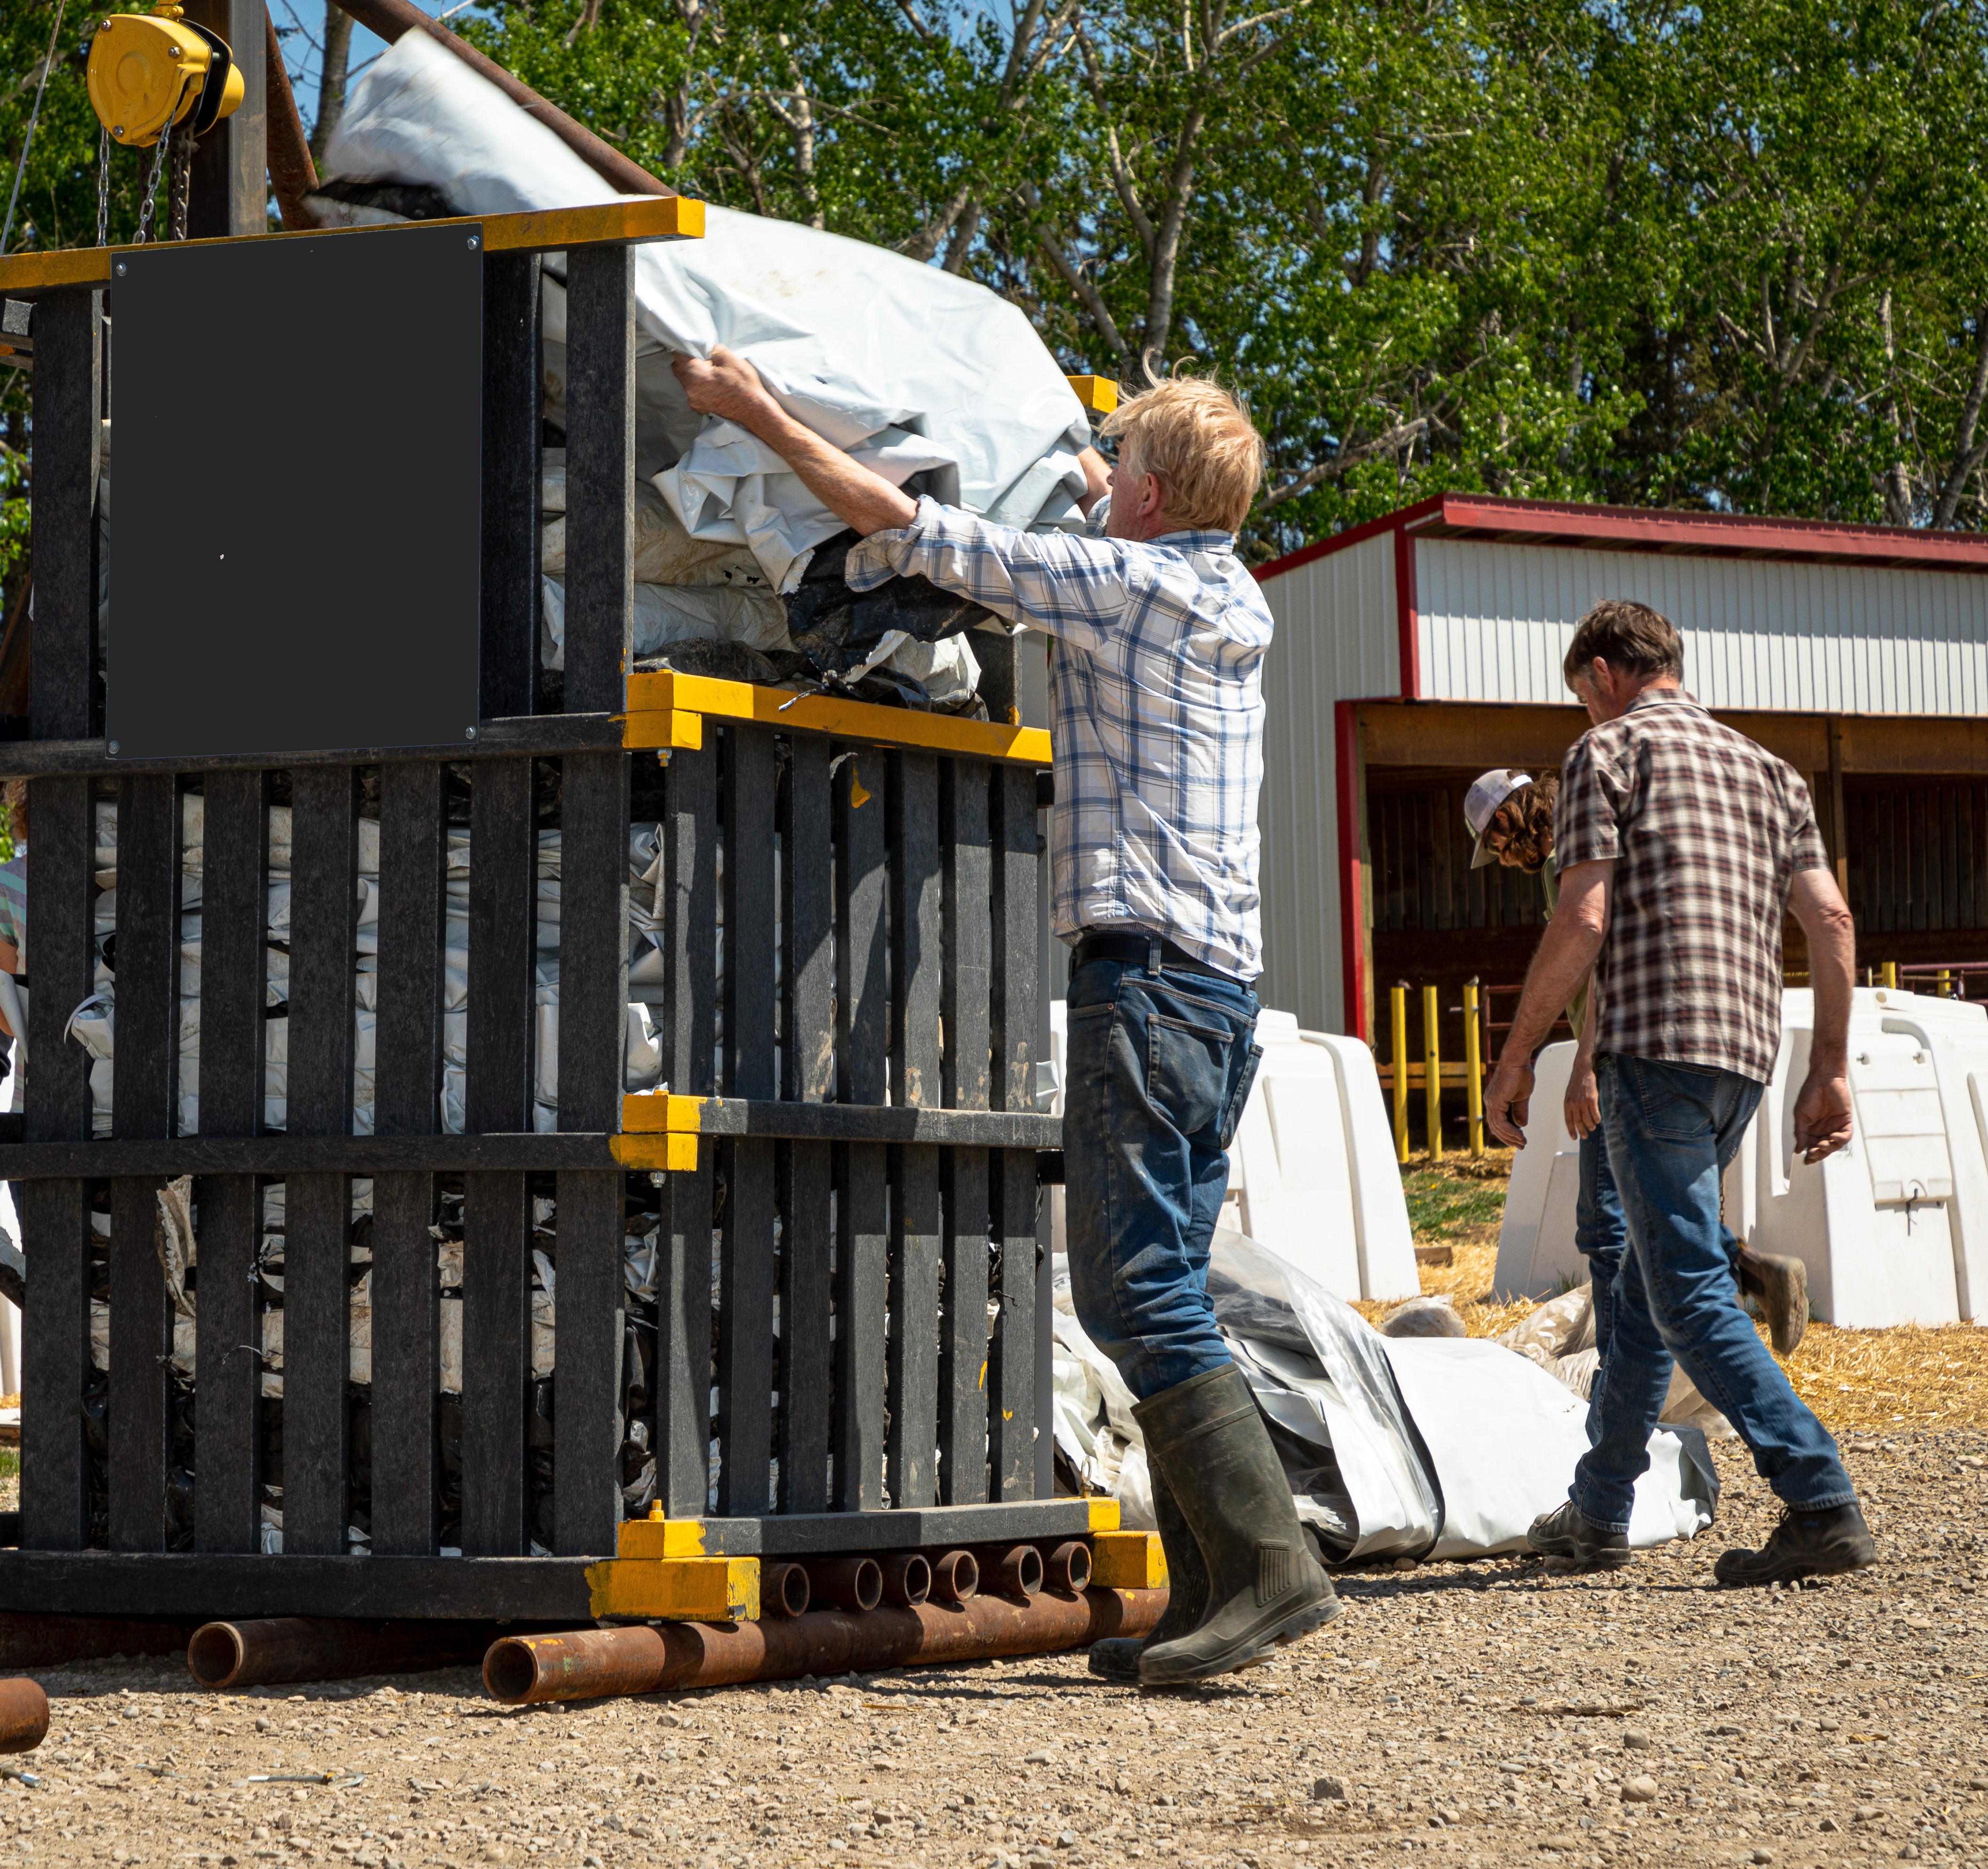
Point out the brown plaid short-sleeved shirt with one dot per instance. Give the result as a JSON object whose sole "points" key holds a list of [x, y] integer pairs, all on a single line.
{"points": [[1707, 831]]}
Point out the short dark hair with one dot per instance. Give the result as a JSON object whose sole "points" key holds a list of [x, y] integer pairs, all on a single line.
{"points": [[1627, 636]]}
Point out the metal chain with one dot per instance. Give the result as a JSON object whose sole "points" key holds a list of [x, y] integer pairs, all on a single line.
{"points": [[145, 209], [103, 187], [182, 176]]}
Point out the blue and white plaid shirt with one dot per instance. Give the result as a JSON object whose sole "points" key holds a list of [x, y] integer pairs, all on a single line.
{"points": [[1156, 678]]}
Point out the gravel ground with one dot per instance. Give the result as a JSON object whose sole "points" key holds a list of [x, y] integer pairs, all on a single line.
{"points": [[1473, 1715]]}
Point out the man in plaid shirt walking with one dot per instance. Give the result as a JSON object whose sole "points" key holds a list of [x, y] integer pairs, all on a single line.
{"points": [[1682, 844], [1157, 636]]}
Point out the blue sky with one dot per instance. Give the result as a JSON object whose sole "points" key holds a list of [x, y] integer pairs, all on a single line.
{"points": [[300, 24]]}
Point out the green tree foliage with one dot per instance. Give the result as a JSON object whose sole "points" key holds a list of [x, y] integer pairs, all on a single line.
{"points": [[1722, 255]]}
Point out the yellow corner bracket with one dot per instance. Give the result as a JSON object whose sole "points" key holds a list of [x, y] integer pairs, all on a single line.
{"points": [[1098, 394], [1127, 1561], [700, 1589]]}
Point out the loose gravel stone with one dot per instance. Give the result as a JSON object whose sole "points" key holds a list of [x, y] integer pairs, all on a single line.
{"points": [[1458, 1716]]}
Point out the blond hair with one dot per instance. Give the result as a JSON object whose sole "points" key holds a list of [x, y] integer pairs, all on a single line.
{"points": [[1198, 441]]}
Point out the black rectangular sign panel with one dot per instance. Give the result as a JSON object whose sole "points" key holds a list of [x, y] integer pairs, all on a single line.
{"points": [[297, 428]]}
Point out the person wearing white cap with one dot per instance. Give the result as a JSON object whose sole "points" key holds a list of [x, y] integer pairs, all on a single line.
{"points": [[1510, 815]]}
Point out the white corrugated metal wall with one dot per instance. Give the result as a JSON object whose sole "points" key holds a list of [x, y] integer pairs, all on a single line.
{"points": [[1495, 620], [1336, 640]]}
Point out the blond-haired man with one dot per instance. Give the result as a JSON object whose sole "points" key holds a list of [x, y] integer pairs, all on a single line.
{"points": [[1157, 636]]}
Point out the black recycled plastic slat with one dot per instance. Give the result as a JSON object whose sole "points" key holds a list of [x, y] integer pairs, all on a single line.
{"points": [[406, 1314], [599, 474], [863, 961], [67, 387], [593, 939], [317, 1208], [54, 1223], [143, 1073], [1015, 1008], [751, 904], [1011, 1372], [683, 1346], [233, 1000], [508, 664], [806, 1371], [745, 1330], [807, 925], [591, 1322], [913, 1350], [593, 999], [962, 1350], [917, 974], [916, 956], [55, 1461], [683, 1359], [497, 1217], [496, 1363], [690, 885], [861, 1276], [967, 895]]}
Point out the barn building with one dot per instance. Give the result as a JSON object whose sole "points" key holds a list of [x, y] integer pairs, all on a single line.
{"points": [[1417, 651]]}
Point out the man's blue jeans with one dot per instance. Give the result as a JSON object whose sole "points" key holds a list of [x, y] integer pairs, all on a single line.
{"points": [[1601, 1237], [1672, 1130], [1157, 1065]]}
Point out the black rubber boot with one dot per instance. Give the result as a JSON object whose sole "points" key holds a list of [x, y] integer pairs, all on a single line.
{"points": [[1781, 1284], [1116, 1657], [1809, 1542], [1264, 1588], [1563, 1534]]}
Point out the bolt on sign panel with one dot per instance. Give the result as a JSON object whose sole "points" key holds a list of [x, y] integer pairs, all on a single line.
{"points": [[297, 428]]}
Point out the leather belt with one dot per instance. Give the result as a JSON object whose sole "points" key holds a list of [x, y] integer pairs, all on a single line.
{"points": [[1136, 950]]}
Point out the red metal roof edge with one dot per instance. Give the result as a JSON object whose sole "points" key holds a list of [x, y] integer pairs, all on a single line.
{"points": [[1656, 530], [1340, 541]]}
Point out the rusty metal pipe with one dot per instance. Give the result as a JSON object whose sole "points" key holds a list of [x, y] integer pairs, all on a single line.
{"points": [[24, 1715], [1010, 1570], [588, 1664], [390, 19], [292, 173], [783, 1589], [907, 1580], [847, 1583], [955, 1577], [44, 1642], [1067, 1567], [249, 1652]]}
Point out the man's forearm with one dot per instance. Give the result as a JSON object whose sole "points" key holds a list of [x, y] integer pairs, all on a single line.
{"points": [[1832, 934], [1565, 959], [865, 502]]}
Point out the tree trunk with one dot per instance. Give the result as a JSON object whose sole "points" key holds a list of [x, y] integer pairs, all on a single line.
{"points": [[331, 87]]}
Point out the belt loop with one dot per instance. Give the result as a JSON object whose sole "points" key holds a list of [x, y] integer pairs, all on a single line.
{"points": [[1152, 953]]}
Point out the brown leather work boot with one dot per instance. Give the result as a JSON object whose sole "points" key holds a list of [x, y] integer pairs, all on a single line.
{"points": [[1781, 1284]]}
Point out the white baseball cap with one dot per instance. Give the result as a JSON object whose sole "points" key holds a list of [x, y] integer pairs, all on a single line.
{"points": [[1481, 803]]}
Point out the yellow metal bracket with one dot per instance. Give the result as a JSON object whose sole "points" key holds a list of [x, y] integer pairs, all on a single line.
{"points": [[1127, 1561], [658, 1131], [660, 1573], [1098, 394], [698, 1589], [666, 709]]}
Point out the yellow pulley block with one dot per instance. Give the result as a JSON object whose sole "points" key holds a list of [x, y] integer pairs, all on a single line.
{"points": [[150, 71]]}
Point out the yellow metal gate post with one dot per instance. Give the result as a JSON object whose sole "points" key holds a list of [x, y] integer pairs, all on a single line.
{"points": [[1473, 1070], [1431, 1074], [1397, 997]]}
